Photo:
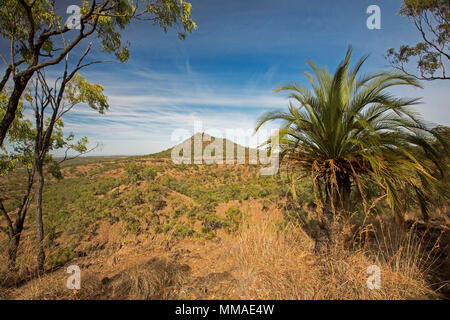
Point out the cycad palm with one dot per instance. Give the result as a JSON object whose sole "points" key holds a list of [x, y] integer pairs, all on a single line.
{"points": [[348, 127]]}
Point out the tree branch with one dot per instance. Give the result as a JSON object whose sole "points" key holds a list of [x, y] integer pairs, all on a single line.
{"points": [[420, 28], [29, 13], [66, 158]]}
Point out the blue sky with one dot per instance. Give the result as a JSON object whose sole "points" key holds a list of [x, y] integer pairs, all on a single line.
{"points": [[223, 74]]}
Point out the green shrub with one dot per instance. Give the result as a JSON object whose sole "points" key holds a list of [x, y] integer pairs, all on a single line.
{"points": [[149, 173], [179, 211], [280, 225], [134, 172], [211, 221], [136, 198], [156, 201], [59, 257], [168, 227], [154, 219], [133, 226], [182, 231], [293, 213], [208, 234], [232, 219], [266, 204]]}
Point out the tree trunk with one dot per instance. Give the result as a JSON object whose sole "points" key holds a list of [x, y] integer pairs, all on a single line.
{"points": [[12, 251], [39, 223], [17, 228], [15, 238]]}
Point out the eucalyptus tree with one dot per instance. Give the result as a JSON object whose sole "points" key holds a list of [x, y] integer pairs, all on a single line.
{"points": [[431, 18], [50, 104], [34, 28], [19, 157], [348, 127], [32, 143]]}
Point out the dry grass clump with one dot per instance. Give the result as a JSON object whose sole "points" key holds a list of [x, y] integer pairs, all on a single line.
{"points": [[51, 287], [344, 275], [273, 263], [25, 263], [414, 253], [158, 279], [279, 263]]}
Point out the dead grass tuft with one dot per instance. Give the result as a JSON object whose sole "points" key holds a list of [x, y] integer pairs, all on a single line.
{"points": [[157, 279], [278, 263]]}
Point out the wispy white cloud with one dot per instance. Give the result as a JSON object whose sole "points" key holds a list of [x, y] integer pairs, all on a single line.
{"points": [[147, 107], [250, 100], [435, 103]]}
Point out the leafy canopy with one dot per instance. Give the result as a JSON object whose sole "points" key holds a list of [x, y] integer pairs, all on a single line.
{"points": [[37, 25], [431, 55]]}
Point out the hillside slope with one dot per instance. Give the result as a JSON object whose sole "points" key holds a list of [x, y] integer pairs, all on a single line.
{"points": [[145, 228]]}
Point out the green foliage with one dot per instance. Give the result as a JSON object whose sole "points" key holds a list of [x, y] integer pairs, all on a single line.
{"points": [[79, 90], [14, 22], [79, 206], [292, 213], [22, 135], [136, 198], [38, 38], [109, 17], [7, 164], [194, 187], [180, 211], [19, 134], [210, 235], [266, 204], [20, 126], [165, 228], [281, 225]]}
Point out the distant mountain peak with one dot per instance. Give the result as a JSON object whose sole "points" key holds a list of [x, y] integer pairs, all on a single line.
{"points": [[206, 140]]}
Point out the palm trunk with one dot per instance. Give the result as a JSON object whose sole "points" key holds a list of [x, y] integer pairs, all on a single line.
{"points": [[294, 192], [330, 223]]}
